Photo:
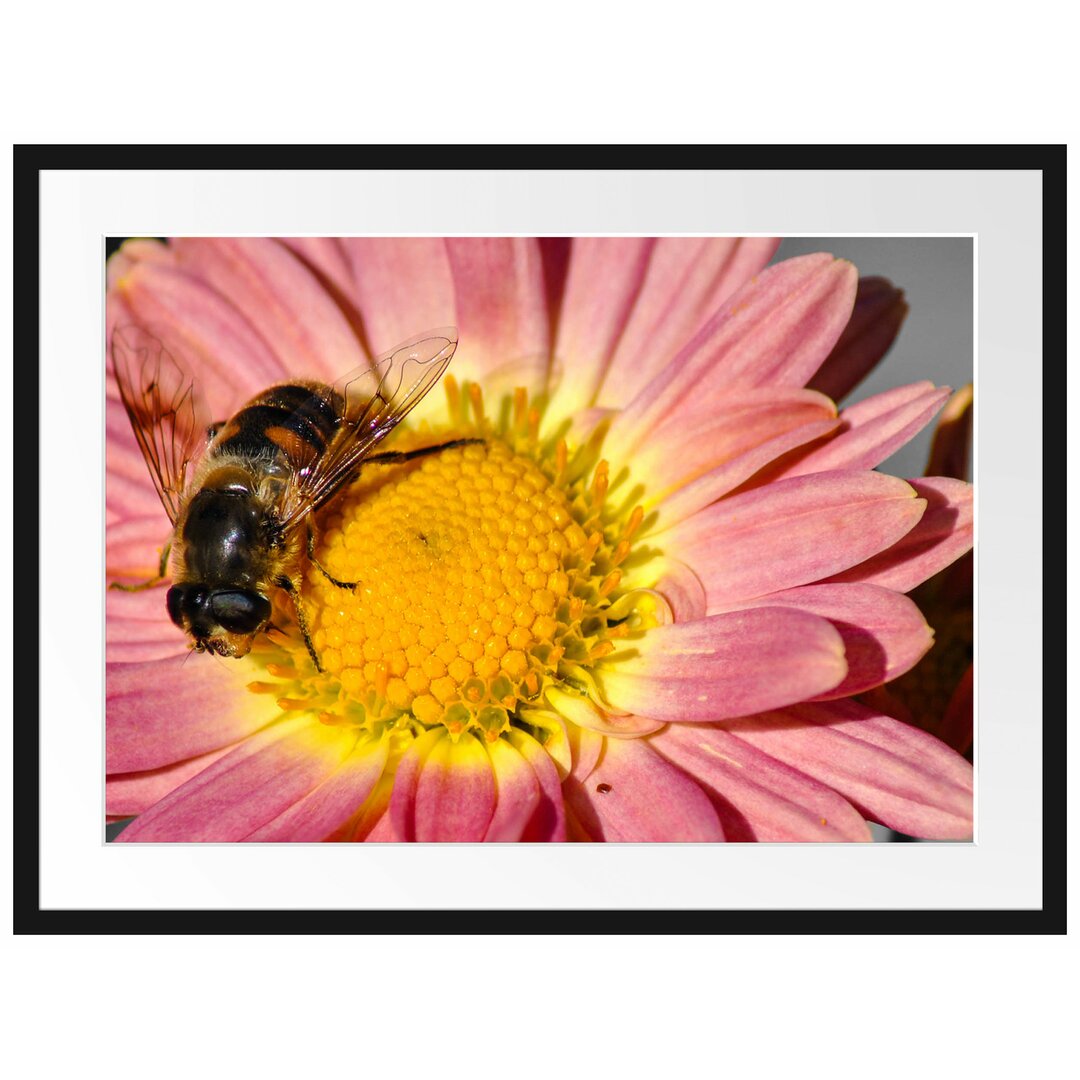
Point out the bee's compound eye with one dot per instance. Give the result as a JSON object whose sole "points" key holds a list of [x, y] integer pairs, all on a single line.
{"points": [[174, 600], [240, 612]]}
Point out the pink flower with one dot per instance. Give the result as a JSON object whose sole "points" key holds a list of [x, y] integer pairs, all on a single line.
{"points": [[642, 609]]}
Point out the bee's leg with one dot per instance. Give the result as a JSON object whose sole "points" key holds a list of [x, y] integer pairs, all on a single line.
{"points": [[322, 569], [163, 565], [214, 428], [293, 589], [399, 457]]}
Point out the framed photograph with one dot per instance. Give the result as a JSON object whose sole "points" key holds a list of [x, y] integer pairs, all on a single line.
{"points": [[587, 539]]}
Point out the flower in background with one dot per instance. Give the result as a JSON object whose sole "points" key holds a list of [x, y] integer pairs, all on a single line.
{"points": [[937, 695], [643, 609]]}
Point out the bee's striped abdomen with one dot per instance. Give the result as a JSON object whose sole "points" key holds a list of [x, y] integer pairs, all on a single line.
{"points": [[293, 420]]}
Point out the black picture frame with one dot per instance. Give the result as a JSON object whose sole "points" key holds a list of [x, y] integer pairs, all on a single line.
{"points": [[31, 160]]}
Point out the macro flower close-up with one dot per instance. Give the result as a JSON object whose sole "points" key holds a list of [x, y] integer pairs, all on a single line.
{"points": [[627, 572]]}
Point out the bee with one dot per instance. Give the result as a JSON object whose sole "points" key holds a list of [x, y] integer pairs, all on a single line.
{"points": [[243, 519]]}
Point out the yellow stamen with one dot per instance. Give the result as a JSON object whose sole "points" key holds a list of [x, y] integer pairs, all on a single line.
{"points": [[290, 704], [282, 671], [561, 454], [600, 482], [610, 583], [601, 649], [476, 399], [521, 405], [453, 395], [592, 545]]}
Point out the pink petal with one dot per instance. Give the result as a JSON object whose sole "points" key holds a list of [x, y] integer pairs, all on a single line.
{"points": [[943, 534], [774, 332], [146, 606], [892, 773], [634, 795], [724, 665], [952, 437], [127, 794], [873, 429], [719, 482], [371, 823], [502, 315], [884, 633], [402, 810], [586, 747], [281, 298], [133, 547], [756, 796], [326, 256], [715, 444], [223, 349], [875, 321], [686, 282], [255, 783], [444, 790], [330, 804], [129, 491], [381, 832], [164, 711], [604, 278], [630, 304], [402, 286], [137, 628], [517, 793], [792, 532], [548, 822], [682, 589]]}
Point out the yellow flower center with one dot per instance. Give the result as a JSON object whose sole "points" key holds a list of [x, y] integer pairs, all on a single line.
{"points": [[485, 576]]}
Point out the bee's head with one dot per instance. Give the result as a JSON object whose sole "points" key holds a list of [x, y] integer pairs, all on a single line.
{"points": [[222, 621]]}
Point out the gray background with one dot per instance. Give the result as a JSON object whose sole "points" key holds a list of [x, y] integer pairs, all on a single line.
{"points": [[936, 340]]}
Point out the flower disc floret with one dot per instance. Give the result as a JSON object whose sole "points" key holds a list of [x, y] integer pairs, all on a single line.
{"points": [[482, 575]]}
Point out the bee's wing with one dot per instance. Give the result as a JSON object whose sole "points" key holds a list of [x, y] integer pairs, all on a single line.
{"points": [[169, 420], [369, 402]]}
